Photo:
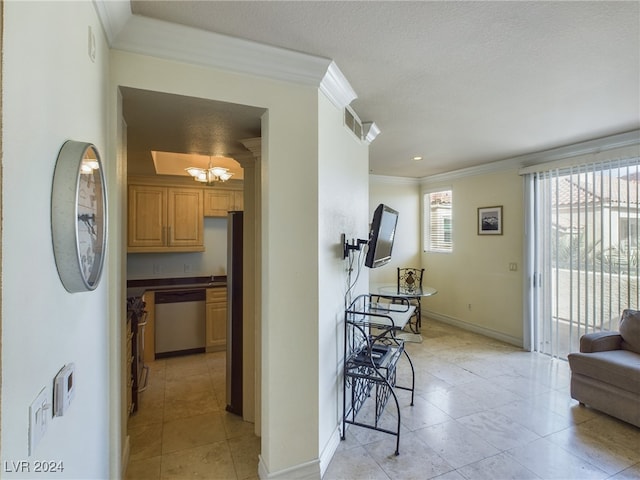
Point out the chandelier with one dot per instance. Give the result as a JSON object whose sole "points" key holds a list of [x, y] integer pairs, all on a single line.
{"points": [[209, 175]]}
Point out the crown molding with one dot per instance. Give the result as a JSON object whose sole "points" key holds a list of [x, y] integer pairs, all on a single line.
{"points": [[147, 36], [170, 41], [545, 157], [390, 180], [336, 87], [371, 131], [113, 15], [484, 169], [624, 144]]}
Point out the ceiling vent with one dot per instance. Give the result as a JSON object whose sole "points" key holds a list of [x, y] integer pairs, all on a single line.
{"points": [[366, 132]]}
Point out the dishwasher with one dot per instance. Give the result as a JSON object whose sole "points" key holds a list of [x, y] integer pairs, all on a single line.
{"points": [[180, 322]]}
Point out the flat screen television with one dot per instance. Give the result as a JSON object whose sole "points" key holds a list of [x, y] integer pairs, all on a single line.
{"points": [[381, 236]]}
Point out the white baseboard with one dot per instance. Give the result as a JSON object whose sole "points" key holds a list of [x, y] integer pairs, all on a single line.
{"points": [[313, 470], [329, 450], [487, 332], [305, 471]]}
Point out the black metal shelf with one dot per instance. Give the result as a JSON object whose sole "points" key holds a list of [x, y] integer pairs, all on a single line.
{"points": [[371, 356]]}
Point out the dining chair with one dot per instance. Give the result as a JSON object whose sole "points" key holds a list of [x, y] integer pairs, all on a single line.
{"points": [[410, 280]]}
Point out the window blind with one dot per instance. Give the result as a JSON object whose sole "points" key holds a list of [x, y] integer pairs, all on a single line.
{"points": [[583, 246], [438, 221]]}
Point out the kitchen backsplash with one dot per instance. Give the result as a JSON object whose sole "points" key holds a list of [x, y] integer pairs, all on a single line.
{"points": [[213, 261]]}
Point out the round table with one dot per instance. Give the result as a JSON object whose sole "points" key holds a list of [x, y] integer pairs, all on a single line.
{"points": [[412, 294], [394, 291]]}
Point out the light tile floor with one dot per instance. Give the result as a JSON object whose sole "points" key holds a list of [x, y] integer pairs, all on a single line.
{"points": [[483, 410], [182, 430], [487, 410]]}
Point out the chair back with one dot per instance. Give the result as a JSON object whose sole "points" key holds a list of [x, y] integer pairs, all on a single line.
{"points": [[410, 278]]}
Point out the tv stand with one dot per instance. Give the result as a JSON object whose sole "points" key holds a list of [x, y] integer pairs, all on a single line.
{"points": [[371, 356]]}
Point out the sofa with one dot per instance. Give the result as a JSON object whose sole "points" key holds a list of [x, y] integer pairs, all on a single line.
{"points": [[605, 374]]}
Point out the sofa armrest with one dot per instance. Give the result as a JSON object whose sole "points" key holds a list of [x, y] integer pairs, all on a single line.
{"points": [[600, 342]]}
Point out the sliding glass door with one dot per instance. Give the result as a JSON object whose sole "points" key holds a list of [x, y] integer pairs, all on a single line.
{"points": [[583, 251]]}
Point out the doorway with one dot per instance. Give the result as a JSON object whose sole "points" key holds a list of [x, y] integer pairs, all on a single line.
{"points": [[157, 121]]}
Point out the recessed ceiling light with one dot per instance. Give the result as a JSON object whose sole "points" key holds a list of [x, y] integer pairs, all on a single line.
{"points": [[417, 158]]}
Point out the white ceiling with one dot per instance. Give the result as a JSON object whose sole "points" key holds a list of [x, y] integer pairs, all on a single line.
{"points": [[459, 83]]}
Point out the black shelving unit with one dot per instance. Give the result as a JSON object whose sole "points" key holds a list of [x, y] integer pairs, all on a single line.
{"points": [[372, 353]]}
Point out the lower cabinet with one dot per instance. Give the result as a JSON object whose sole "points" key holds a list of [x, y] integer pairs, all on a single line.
{"points": [[216, 319]]}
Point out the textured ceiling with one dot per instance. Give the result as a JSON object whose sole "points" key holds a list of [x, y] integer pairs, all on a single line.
{"points": [[459, 83], [178, 124]]}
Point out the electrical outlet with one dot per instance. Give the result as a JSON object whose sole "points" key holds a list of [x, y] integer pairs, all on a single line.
{"points": [[187, 268], [39, 413], [513, 267]]}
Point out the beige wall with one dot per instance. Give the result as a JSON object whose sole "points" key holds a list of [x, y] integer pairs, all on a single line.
{"points": [[477, 272], [301, 136], [343, 208], [47, 96], [52, 91], [476, 289]]}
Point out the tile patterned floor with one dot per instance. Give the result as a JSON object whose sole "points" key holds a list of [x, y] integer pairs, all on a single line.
{"points": [[483, 410], [182, 430], [487, 410]]}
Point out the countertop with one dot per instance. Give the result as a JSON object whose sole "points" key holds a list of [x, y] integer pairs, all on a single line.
{"points": [[136, 288]]}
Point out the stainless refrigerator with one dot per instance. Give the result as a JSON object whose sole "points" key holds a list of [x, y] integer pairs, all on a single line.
{"points": [[234, 312]]}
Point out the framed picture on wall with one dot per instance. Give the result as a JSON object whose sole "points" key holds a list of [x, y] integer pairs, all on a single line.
{"points": [[490, 220]]}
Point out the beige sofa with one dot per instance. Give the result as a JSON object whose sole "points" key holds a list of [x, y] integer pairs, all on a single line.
{"points": [[605, 375]]}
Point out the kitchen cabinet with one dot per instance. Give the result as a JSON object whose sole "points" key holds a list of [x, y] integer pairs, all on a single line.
{"points": [[219, 202], [165, 219], [216, 319]]}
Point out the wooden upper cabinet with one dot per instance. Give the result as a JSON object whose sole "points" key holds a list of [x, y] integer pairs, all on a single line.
{"points": [[219, 202], [185, 219], [165, 219], [146, 220]]}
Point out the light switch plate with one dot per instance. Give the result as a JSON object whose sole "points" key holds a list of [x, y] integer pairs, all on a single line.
{"points": [[39, 412]]}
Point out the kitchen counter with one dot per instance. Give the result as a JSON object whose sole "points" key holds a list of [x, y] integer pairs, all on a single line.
{"points": [[136, 288]]}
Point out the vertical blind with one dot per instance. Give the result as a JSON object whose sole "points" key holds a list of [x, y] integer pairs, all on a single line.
{"points": [[583, 251]]}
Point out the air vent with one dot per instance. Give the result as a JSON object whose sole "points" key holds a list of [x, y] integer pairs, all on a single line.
{"points": [[352, 122]]}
